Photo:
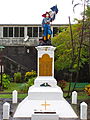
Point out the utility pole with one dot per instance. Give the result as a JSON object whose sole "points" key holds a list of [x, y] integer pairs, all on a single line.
{"points": [[1, 65]]}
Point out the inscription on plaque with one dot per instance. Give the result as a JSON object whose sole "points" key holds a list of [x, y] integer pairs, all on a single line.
{"points": [[45, 65]]}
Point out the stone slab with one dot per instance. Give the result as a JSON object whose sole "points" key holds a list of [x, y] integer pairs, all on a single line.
{"points": [[45, 117], [45, 93], [27, 107]]}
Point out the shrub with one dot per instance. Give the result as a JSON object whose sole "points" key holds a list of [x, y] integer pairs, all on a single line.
{"points": [[24, 88], [87, 89], [17, 77], [62, 84], [31, 81], [5, 80], [29, 75]]}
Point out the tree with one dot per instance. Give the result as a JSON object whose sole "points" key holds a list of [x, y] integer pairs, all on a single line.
{"points": [[87, 33], [63, 52], [77, 52]]}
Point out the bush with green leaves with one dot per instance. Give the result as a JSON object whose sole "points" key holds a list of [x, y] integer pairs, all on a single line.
{"points": [[31, 81], [87, 89], [29, 75], [62, 84], [63, 53], [17, 77], [24, 88], [5, 80]]}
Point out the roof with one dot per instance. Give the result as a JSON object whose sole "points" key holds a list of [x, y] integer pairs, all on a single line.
{"points": [[31, 25]]}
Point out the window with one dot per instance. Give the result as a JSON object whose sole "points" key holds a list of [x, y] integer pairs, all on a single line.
{"points": [[35, 31], [29, 31], [18, 31], [40, 31], [10, 31], [21, 31], [5, 31]]}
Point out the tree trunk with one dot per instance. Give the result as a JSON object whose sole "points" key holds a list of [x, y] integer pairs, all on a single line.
{"points": [[89, 53], [80, 47]]}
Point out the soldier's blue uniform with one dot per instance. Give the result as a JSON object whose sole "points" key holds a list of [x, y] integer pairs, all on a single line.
{"points": [[47, 27]]}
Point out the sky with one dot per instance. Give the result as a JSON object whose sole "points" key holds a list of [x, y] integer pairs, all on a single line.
{"points": [[30, 11]]}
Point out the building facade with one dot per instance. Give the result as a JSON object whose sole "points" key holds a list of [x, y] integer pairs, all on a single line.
{"points": [[20, 55]]}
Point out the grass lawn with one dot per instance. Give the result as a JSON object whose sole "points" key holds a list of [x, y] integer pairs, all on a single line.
{"points": [[79, 86], [12, 87], [10, 95], [80, 95], [83, 96], [15, 86]]}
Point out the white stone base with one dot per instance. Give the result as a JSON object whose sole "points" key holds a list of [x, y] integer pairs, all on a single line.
{"points": [[45, 93], [27, 108], [45, 117], [6, 111], [45, 79], [46, 98]]}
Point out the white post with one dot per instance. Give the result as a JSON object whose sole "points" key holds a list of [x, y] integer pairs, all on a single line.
{"points": [[14, 96], [74, 97], [25, 32], [83, 111], [6, 110]]}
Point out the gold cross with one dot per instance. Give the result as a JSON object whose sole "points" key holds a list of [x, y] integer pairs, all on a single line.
{"points": [[45, 104]]}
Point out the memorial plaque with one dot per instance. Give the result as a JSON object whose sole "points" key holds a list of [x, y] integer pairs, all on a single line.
{"points": [[45, 65]]}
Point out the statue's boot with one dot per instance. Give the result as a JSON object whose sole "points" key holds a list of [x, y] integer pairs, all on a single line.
{"points": [[44, 38], [48, 37]]}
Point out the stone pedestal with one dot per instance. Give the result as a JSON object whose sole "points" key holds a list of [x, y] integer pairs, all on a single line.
{"points": [[74, 97], [45, 66], [6, 111], [45, 60], [83, 111], [45, 95], [14, 96], [45, 85], [45, 117]]}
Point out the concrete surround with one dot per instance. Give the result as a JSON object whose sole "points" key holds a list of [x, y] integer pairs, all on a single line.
{"points": [[45, 98], [45, 117], [45, 93], [46, 50]]}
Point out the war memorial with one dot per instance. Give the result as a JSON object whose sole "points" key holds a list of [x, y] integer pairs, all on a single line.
{"points": [[45, 99]]}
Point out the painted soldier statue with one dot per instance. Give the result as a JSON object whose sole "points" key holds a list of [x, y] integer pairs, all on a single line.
{"points": [[46, 27]]}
